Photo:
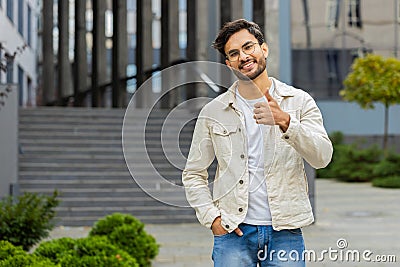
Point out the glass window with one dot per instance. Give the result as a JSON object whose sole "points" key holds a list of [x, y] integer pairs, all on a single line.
{"points": [[182, 5], [332, 13], [132, 40], [10, 10], [29, 26], [89, 20], [30, 95], [10, 72], [21, 17], [131, 5], [398, 12], [355, 14], [108, 23], [21, 85]]}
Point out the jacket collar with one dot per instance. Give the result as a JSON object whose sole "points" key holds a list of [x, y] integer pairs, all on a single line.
{"points": [[281, 90]]}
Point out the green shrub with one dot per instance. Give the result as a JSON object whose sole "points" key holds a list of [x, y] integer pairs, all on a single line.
{"points": [[387, 182], [56, 249], [12, 256], [7, 250], [389, 166], [106, 225], [337, 140], [25, 221], [356, 165], [353, 164], [138, 244], [127, 233], [90, 251]]}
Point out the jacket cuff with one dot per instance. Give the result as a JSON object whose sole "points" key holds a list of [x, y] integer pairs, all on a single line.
{"points": [[209, 218], [292, 131]]}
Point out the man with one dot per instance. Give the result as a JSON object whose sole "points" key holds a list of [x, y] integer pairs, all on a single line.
{"points": [[260, 131]]}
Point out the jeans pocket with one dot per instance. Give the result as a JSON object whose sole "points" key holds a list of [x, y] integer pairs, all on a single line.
{"points": [[223, 235]]}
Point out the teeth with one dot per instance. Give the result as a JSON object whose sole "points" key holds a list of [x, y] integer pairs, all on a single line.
{"points": [[247, 64]]}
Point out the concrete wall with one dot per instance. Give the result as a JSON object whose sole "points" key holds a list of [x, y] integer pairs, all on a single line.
{"points": [[350, 119], [8, 141], [11, 39]]}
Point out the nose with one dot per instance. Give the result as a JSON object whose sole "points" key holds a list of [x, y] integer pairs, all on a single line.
{"points": [[243, 56]]}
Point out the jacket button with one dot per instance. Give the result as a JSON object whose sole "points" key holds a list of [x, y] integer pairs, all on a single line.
{"points": [[286, 137], [227, 226], [240, 209], [240, 130], [242, 156], [224, 131], [241, 182]]}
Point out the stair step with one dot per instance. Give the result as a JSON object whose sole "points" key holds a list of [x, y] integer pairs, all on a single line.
{"points": [[104, 150], [79, 165], [79, 152], [102, 142], [111, 158], [153, 219], [144, 212]]}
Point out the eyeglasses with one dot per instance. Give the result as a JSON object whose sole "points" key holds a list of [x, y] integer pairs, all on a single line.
{"points": [[248, 48]]}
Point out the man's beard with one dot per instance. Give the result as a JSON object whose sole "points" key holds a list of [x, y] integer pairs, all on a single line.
{"points": [[261, 66]]}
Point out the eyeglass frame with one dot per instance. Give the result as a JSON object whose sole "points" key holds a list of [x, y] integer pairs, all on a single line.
{"points": [[242, 48]]}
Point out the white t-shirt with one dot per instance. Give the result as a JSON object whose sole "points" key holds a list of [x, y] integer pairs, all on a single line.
{"points": [[258, 208]]}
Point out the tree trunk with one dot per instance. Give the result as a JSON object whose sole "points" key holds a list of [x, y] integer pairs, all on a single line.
{"points": [[385, 134]]}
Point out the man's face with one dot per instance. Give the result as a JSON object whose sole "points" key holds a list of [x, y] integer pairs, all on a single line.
{"points": [[251, 65]]}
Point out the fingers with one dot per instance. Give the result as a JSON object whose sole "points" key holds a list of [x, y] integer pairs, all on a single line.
{"points": [[217, 228], [260, 104], [238, 232]]}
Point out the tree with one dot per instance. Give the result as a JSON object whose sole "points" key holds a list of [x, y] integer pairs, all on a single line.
{"points": [[374, 79], [4, 60]]}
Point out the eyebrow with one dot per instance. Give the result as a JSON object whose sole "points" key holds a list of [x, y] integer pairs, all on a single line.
{"points": [[246, 43]]}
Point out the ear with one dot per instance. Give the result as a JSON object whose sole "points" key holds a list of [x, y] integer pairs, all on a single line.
{"points": [[264, 48], [228, 63]]}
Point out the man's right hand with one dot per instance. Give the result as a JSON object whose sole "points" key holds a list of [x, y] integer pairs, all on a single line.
{"points": [[217, 228]]}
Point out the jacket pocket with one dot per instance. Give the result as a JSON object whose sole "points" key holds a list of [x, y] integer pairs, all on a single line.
{"points": [[222, 136]]}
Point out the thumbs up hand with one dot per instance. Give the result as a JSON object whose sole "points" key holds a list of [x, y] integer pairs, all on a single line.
{"points": [[269, 113]]}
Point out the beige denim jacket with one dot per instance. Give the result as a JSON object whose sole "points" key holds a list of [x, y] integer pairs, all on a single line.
{"points": [[220, 133]]}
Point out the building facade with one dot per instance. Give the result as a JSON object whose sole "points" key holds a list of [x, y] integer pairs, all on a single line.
{"points": [[328, 35], [18, 22]]}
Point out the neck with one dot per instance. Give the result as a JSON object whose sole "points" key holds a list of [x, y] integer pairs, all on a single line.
{"points": [[256, 88]]}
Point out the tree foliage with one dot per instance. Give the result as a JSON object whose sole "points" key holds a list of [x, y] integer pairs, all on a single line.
{"points": [[25, 220], [373, 79]]}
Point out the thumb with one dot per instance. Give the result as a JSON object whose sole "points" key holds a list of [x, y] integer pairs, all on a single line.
{"points": [[269, 97], [238, 232]]}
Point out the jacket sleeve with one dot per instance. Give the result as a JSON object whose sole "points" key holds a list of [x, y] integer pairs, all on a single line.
{"points": [[195, 174], [308, 136]]}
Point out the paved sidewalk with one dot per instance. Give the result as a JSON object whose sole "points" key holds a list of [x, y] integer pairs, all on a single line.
{"points": [[367, 218]]}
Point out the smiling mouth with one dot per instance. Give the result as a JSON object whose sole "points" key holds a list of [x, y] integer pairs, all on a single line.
{"points": [[247, 65]]}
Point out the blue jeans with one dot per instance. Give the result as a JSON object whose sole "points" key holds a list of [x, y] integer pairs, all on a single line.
{"points": [[259, 245]]}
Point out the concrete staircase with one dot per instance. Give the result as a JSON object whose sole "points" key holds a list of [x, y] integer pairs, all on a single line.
{"points": [[78, 151]]}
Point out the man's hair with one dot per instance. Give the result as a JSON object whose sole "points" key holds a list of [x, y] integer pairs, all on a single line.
{"points": [[233, 27]]}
